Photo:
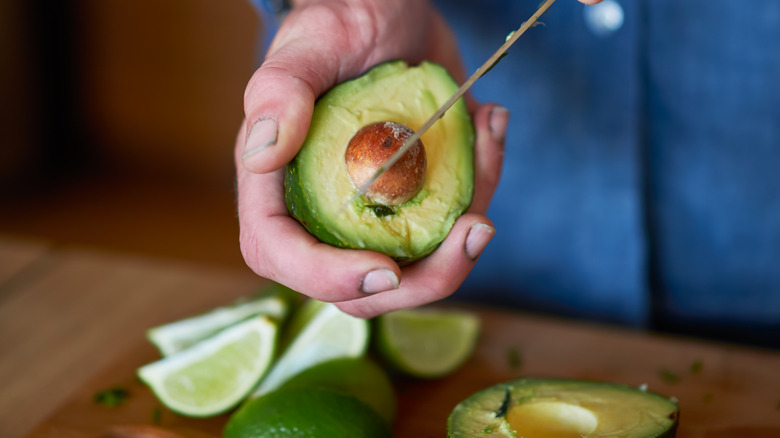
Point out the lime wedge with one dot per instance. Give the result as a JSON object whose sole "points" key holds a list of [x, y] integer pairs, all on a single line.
{"points": [[300, 319], [179, 335], [215, 374], [426, 342], [327, 333]]}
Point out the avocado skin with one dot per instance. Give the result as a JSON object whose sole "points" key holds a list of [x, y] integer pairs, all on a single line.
{"points": [[299, 195], [464, 420]]}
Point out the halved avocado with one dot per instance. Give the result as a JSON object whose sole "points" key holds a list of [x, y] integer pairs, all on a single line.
{"points": [[564, 408], [318, 186]]}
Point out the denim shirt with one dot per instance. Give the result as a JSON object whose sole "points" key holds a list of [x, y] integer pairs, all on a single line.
{"points": [[641, 182]]}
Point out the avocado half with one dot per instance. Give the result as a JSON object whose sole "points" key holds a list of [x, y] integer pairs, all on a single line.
{"points": [[563, 408], [317, 185]]}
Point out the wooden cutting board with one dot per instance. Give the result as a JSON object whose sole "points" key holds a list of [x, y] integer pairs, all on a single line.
{"points": [[66, 314], [723, 391]]}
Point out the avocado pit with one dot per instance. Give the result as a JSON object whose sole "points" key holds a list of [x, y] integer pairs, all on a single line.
{"points": [[371, 147]]}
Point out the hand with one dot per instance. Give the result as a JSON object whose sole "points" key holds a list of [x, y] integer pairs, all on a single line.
{"points": [[320, 44]]}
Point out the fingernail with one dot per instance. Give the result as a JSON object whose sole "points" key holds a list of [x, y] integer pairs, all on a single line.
{"points": [[379, 280], [261, 135], [498, 121], [477, 239]]}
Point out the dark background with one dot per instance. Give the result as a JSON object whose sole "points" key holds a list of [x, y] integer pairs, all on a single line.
{"points": [[118, 120]]}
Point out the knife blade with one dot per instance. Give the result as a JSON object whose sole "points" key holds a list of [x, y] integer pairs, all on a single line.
{"points": [[484, 68]]}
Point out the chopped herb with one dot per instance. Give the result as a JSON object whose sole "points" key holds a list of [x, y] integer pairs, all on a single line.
{"points": [[668, 376], [509, 35], [111, 397], [487, 429], [381, 210], [697, 367], [502, 410], [514, 359], [493, 64], [156, 415]]}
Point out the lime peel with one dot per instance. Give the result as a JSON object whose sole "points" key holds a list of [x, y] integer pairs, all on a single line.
{"points": [[359, 377], [306, 412]]}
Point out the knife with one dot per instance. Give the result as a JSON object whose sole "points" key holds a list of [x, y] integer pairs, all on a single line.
{"points": [[484, 68]]}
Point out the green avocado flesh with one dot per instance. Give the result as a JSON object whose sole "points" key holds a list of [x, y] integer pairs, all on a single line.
{"points": [[561, 408], [317, 185]]}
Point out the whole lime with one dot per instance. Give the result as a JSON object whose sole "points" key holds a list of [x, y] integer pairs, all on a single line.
{"points": [[359, 377], [306, 413]]}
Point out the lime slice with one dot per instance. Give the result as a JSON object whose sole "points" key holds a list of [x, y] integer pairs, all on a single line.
{"points": [[179, 335], [300, 319], [355, 376], [328, 333], [306, 413], [215, 374], [426, 342]]}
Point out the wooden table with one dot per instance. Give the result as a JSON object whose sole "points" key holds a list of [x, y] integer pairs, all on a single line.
{"points": [[72, 323]]}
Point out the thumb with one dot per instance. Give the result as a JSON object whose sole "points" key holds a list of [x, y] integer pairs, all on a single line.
{"points": [[278, 104], [311, 53]]}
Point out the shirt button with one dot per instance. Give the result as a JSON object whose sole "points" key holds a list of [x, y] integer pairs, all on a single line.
{"points": [[605, 18]]}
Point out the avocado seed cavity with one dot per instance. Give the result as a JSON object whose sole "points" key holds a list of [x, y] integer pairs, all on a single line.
{"points": [[371, 147], [552, 419]]}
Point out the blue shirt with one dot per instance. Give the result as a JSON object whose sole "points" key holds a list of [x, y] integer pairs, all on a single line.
{"points": [[641, 182]]}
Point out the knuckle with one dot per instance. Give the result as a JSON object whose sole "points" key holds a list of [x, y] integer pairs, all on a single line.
{"points": [[437, 290], [359, 309], [254, 256]]}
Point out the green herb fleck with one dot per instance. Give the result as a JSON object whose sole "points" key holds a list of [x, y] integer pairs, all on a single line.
{"points": [[495, 63], [156, 415], [502, 410], [668, 376], [111, 397], [381, 210], [514, 359], [697, 367], [487, 429]]}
